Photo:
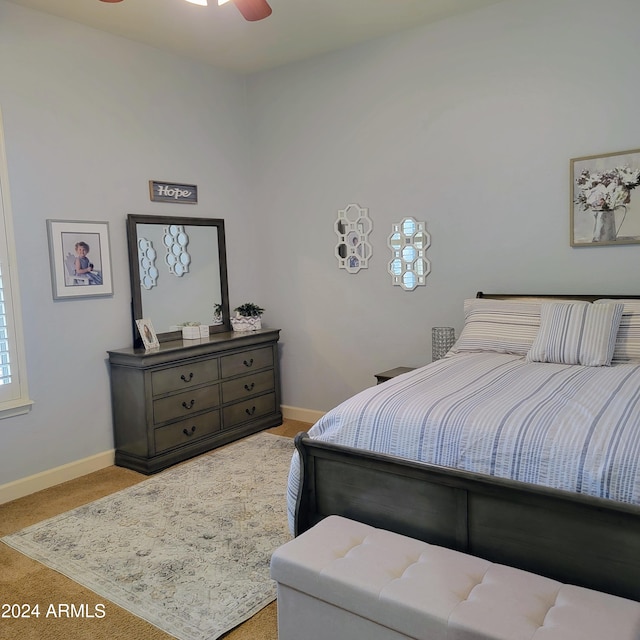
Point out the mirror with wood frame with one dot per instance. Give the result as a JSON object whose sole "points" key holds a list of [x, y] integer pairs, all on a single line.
{"points": [[178, 268]]}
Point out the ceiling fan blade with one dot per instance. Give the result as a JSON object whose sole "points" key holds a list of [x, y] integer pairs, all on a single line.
{"points": [[253, 10]]}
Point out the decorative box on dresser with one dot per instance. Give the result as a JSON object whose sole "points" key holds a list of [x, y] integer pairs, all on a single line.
{"points": [[189, 396]]}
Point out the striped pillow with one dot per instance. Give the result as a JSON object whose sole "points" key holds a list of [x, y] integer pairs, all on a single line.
{"points": [[504, 326], [628, 339], [576, 334]]}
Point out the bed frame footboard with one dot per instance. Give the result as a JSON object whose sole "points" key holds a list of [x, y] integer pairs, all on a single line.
{"points": [[573, 538]]}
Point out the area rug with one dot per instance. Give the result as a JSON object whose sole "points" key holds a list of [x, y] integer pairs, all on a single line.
{"points": [[188, 549]]}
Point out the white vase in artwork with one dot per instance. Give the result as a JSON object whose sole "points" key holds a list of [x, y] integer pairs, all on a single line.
{"points": [[604, 227]]}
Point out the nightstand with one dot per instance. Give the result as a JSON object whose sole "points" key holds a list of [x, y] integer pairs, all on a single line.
{"points": [[392, 373]]}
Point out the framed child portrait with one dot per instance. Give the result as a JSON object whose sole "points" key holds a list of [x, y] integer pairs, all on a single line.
{"points": [[80, 258], [147, 333]]}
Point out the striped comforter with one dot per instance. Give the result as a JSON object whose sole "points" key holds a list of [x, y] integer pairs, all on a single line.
{"points": [[564, 426]]}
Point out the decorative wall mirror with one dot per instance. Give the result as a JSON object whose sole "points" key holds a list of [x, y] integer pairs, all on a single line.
{"points": [[352, 228], [409, 242], [178, 268]]}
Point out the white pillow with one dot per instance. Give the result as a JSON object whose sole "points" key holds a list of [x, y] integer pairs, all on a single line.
{"points": [[576, 334], [628, 338], [504, 326]]}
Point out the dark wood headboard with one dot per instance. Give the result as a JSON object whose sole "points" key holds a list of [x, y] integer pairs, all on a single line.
{"points": [[555, 296]]}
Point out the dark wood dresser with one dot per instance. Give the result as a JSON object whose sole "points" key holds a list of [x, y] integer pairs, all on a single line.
{"points": [[190, 396]]}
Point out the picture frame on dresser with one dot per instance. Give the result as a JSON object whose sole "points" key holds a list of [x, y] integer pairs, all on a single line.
{"points": [[147, 333], [80, 259]]}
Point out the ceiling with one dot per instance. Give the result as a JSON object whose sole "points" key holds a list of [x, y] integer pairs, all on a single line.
{"points": [[297, 29]]}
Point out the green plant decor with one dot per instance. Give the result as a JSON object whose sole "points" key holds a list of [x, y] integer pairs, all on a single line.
{"points": [[249, 310]]}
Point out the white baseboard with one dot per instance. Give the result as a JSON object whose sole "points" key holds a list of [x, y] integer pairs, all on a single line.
{"points": [[51, 477], [304, 415]]}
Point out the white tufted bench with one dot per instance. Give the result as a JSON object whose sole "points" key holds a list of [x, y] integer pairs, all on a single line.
{"points": [[344, 580]]}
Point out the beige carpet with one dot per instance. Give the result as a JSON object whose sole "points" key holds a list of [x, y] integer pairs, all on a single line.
{"points": [[23, 580]]}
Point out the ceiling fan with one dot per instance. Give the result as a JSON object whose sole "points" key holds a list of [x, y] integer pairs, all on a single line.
{"points": [[252, 10]]}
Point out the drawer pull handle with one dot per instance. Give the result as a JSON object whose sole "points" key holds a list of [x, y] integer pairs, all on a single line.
{"points": [[190, 405], [249, 387], [188, 378], [251, 411], [248, 363], [189, 433]]}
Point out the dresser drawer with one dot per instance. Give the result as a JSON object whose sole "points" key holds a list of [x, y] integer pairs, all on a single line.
{"points": [[246, 361], [186, 403], [186, 431], [184, 376], [247, 386], [249, 410]]}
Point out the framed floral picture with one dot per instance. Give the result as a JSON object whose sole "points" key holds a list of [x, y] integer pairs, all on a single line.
{"points": [[604, 209], [80, 259]]}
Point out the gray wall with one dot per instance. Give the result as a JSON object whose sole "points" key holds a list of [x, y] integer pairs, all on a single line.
{"points": [[89, 119], [468, 124]]}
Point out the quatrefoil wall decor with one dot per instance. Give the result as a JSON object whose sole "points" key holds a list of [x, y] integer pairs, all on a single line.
{"points": [[177, 257], [147, 264], [409, 242], [353, 227]]}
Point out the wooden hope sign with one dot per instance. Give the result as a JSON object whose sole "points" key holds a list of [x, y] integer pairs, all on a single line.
{"points": [[173, 192]]}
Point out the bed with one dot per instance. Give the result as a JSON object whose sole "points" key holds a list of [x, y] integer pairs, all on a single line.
{"points": [[521, 446]]}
